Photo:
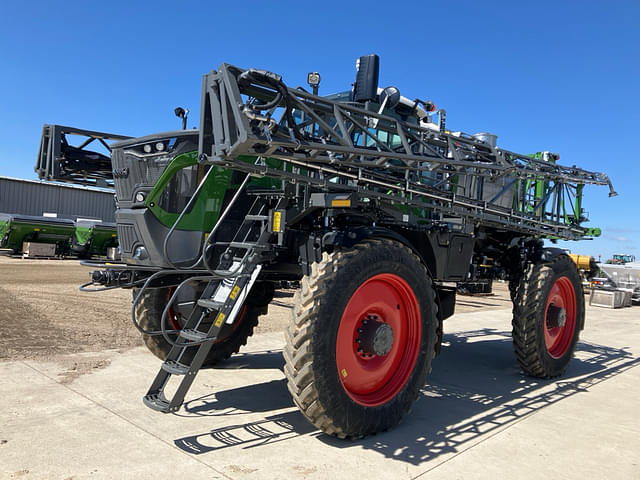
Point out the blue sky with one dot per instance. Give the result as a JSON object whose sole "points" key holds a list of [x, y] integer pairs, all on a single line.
{"points": [[545, 75]]}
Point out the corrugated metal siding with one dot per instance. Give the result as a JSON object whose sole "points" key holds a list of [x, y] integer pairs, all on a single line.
{"points": [[34, 198]]}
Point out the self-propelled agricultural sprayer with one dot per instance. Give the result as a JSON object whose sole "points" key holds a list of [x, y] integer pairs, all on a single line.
{"points": [[368, 202]]}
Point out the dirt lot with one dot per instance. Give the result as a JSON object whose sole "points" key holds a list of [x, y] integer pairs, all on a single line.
{"points": [[46, 316]]}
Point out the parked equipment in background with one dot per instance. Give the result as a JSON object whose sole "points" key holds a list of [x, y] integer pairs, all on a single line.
{"points": [[475, 287], [38, 250], [113, 254], [94, 238], [610, 298], [15, 230], [587, 265], [84, 238], [370, 202], [622, 276], [621, 259]]}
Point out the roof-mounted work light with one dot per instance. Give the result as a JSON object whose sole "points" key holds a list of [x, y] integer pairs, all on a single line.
{"points": [[313, 79]]}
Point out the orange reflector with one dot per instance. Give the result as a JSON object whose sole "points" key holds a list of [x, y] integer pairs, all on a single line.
{"points": [[341, 203]]}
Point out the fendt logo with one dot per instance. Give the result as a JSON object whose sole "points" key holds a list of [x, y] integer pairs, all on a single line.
{"points": [[121, 172]]}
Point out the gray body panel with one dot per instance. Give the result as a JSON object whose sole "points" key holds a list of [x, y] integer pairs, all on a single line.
{"points": [[138, 227]]}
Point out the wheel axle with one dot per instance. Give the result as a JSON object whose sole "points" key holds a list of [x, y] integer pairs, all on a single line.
{"points": [[556, 316], [375, 337]]}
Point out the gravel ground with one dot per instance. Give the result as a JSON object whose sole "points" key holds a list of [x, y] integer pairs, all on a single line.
{"points": [[45, 316]]}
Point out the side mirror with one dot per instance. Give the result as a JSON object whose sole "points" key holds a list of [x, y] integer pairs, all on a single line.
{"points": [[366, 86]]}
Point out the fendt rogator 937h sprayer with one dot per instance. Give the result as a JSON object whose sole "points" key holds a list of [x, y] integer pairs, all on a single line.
{"points": [[373, 205]]}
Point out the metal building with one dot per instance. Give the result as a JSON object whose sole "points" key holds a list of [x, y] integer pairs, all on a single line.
{"points": [[32, 197]]}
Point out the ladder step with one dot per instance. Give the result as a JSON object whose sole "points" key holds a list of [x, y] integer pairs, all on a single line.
{"points": [[157, 401], [193, 335], [209, 303], [174, 368], [256, 218]]}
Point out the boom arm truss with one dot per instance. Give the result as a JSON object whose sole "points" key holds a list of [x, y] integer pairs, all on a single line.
{"points": [[60, 161], [352, 147]]}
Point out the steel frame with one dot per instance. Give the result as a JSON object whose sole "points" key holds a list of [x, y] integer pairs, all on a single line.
{"points": [[50, 164], [349, 141]]}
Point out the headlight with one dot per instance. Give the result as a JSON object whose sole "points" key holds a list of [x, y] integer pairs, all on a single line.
{"points": [[140, 253], [164, 145]]}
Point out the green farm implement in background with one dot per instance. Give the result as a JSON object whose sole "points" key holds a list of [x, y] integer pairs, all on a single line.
{"points": [[83, 238]]}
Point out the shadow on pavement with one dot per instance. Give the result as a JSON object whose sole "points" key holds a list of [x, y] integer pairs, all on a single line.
{"points": [[259, 397], [268, 359], [475, 389]]}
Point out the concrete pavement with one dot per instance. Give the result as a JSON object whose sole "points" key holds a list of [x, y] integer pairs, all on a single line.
{"points": [[477, 418]]}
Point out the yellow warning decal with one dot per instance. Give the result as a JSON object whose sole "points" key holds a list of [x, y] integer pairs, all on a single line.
{"points": [[277, 217], [343, 372], [341, 203], [220, 319], [234, 292]]}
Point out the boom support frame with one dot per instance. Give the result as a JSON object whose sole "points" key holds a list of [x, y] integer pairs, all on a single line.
{"points": [[338, 146]]}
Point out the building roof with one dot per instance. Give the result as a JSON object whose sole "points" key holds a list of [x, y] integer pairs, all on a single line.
{"points": [[59, 184]]}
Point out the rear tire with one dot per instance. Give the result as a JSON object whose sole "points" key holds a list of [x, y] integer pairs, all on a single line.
{"points": [[361, 338], [548, 314], [231, 338]]}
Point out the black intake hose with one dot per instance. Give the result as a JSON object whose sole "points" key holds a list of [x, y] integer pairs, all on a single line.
{"points": [[274, 81], [266, 79]]}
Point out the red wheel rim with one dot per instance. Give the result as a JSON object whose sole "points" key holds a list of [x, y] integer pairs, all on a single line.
{"points": [[172, 314], [560, 317], [372, 379]]}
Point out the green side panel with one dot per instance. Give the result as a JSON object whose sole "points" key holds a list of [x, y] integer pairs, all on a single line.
{"points": [[32, 231], [83, 235], [207, 207], [5, 226], [102, 239]]}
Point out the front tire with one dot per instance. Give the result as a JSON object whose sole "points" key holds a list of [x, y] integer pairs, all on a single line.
{"points": [[230, 339], [548, 315], [361, 338]]}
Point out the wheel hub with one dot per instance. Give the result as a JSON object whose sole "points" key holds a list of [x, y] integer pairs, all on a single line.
{"points": [[375, 337], [556, 316]]}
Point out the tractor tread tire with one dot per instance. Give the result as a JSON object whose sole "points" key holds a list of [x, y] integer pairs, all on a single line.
{"points": [[302, 381], [149, 312], [528, 317]]}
